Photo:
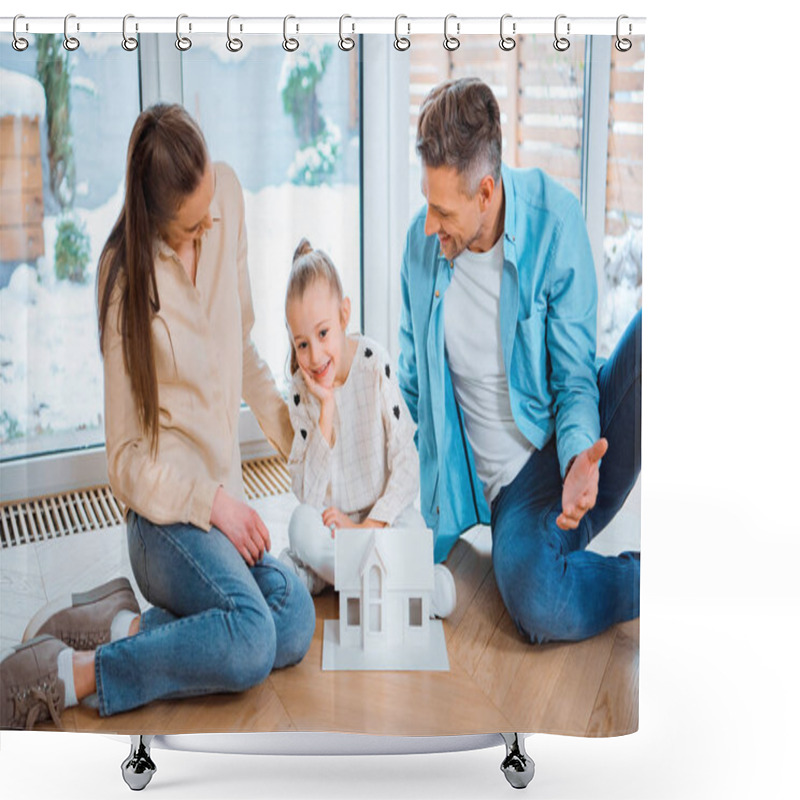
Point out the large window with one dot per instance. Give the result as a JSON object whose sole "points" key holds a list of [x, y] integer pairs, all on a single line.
{"points": [[288, 123], [65, 120]]}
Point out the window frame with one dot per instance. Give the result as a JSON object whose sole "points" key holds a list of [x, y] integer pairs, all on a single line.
{"points": [[384, 101]]}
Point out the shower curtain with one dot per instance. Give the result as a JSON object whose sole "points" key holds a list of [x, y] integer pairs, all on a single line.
{"points": [[322, 141]]}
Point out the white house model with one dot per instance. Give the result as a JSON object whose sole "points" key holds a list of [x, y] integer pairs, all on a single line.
{"points": [[385, 580]]}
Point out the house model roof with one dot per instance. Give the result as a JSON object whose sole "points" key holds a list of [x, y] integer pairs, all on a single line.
{"points": [[405, 555]]}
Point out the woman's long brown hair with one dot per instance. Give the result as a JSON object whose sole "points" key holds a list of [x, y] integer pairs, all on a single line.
{"points": [[167, 158]]}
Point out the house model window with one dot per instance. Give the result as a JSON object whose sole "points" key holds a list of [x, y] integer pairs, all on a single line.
{"points": [[353, 611], [415, 612]]}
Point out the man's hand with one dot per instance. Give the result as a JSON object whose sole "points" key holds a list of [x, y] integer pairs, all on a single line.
{"points": [[580, 486], [242, 525]]}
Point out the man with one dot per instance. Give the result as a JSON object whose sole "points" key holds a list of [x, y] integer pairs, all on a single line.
{"points": [[497, 365]]}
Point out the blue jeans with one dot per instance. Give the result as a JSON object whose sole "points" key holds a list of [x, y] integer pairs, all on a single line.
{"points": [[217, 624], [554, 589]]}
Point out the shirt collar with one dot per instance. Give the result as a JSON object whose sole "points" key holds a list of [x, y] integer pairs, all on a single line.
{"points": [[509, 222]]}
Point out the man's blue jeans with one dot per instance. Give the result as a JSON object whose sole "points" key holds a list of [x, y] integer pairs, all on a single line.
{"points": [[217, 624], [552, 587]]}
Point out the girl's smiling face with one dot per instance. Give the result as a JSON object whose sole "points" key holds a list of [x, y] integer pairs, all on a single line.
{"points": [[317, 322]]}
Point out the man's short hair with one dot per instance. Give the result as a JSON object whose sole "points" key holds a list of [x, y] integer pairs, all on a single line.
{"points": [[459, 127]]}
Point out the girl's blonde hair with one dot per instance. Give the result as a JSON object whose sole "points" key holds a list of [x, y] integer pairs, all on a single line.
{"points": [[308, 267]]}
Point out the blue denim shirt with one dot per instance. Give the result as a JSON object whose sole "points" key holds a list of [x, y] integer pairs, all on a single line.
{"points": [[548, 302]]}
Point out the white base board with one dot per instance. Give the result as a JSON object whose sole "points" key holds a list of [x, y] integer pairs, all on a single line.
{"points": [[431, 657]]}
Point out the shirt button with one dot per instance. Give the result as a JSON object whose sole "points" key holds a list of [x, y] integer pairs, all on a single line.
{"points": [[451, 265], [437, 292], [437, 509]]}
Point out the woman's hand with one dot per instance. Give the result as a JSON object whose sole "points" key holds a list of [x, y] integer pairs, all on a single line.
{"points": [[242, 525]]}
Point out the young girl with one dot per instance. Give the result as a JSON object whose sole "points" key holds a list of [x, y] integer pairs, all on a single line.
{"points": [[353, 461]]}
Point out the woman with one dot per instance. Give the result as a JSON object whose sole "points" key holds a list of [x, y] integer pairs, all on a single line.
{"points": [[175, 315]]}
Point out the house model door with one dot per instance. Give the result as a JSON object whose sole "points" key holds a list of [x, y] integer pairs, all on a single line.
{"points": [[374, 627]]}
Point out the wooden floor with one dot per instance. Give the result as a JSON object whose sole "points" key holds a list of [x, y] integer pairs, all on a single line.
{"points": [[497, 681]]}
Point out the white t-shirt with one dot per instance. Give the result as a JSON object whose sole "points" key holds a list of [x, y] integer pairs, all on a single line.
{"points": [[475, 356]]}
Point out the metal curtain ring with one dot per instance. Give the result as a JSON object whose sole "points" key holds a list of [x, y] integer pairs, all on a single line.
{"points": [[451, 42], [183, 43], [345, 42], [507, 42], [623, 45], [70, 42], [289, 45], [233, 44], [401, 43], [561, 43], [129, 43], [18, 43]]}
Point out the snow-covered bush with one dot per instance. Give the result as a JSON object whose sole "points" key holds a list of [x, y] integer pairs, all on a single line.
{"points": [[72, 250], [319, 138]]}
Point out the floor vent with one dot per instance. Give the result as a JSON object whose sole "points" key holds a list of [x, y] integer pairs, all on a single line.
{"points": [[30, 521]]}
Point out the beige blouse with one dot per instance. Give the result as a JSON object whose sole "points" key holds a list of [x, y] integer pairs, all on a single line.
{"points": [[206, 363]]}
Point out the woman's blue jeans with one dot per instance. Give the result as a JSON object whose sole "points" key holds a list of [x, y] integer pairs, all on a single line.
{"points": [[552, 587], [217, 625]]}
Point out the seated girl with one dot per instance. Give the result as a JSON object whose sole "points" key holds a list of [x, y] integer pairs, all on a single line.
{"points": [[353, 461]]}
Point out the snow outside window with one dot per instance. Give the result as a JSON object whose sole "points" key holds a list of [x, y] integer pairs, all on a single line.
{"points": [[61, 191]]}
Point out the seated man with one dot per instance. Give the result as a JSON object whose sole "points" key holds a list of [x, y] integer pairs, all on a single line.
{"points": [[497, 366]]}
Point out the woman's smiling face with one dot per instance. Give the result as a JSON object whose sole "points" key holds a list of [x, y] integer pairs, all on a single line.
{"points": [[317, 322]]}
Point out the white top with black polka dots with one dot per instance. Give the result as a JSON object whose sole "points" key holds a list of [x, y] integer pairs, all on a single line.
{"points": [[372, 469]]}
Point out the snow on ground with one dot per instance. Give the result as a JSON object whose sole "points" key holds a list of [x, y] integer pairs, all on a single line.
{"points": [[623, 295]]}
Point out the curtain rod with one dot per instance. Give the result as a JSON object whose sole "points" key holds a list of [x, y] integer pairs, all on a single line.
{"points": [[348, 25]]}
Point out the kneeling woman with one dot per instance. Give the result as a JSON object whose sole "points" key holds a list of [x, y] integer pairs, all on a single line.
{"points": [[175, 315]]}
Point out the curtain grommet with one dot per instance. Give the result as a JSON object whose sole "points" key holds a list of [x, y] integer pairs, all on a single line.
{"points": [[346, 43], [233, 44], [561, 43], [70, 42], [401, 43], [507, 43], [289, 44], [451, 43], [183, 43], [19, 43], [622, 44], [129, 43]]}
